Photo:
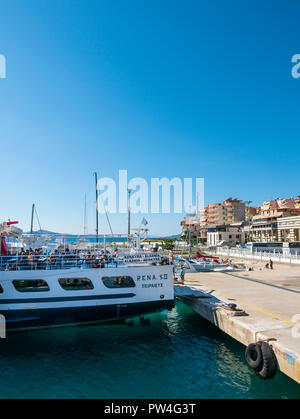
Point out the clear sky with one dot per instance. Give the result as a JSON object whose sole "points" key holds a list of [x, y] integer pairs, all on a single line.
{"points": [[191, 88]]}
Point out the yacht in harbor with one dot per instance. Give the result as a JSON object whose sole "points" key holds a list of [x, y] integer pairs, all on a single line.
{"points": [[46, 287]]}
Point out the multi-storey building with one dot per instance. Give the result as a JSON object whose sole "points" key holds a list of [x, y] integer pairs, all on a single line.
{"points": [[250, 212], [191, 225], [230, 211], [265, 223], [289, 229], [277, 220]]}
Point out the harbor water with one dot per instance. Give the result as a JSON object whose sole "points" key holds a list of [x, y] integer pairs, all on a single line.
{"points": [[177, 355]]}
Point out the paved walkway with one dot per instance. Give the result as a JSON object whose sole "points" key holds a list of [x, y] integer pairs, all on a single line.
{"points": [[270, 298]]}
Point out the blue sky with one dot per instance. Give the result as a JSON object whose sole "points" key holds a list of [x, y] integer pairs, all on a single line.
{"points": [[161, 88]]}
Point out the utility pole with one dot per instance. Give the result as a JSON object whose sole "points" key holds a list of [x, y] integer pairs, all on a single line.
{"points": [[97, 215]]}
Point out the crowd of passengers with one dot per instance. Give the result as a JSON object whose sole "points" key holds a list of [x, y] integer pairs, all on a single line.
{"points": [[36, 259]]}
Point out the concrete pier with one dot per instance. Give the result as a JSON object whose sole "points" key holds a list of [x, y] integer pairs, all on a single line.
{"points": [[268, 303]]}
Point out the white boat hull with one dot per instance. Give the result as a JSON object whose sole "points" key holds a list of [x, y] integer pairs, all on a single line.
{"points": [[153, 291]]}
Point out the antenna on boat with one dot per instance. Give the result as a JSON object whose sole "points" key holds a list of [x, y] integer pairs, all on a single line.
{"points": [[97, 215]]}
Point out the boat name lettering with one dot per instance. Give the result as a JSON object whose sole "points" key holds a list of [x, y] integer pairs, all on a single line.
{"points": [[159, 285], [152, 277], [142, 258]]}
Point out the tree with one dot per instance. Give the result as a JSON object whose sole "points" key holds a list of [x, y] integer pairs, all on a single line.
{"points": [[168, 244]]}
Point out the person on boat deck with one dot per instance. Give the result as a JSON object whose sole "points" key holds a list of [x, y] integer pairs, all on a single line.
{"points": [[22, 260], [31, 259], [198, 255], [51, 258], [88, 258]]}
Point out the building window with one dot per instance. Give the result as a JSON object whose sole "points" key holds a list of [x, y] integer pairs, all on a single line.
{"points": [[118, 282], [37, 285], [76, 284]]}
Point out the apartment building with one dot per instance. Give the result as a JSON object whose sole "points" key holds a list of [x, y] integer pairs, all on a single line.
{"points": [[289, 229], [265, 224], [228, 212]]}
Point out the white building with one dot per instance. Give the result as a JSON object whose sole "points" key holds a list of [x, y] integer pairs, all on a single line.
{"points": [[225, 235]]}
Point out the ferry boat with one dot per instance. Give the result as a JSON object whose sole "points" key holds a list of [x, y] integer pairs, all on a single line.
{"points": [[63, 288]]}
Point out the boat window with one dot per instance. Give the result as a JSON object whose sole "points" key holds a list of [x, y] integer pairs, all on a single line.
{"points": [[118, 282], [30, 285], [76, 284]]}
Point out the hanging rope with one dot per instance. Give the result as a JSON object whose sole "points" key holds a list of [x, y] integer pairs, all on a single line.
{"points": [[37, 218], [107, 216]]}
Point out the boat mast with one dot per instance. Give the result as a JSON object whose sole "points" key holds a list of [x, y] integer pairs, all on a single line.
{"points": [[129, 210], [32, 216], [85, 218], [97, 215]]}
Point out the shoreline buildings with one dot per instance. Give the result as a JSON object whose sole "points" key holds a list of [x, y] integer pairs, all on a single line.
{"points": [[234, 222]]}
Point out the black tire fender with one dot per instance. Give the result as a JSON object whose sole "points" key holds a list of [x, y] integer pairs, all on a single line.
{"points": [[270, 364], [254, 356]]}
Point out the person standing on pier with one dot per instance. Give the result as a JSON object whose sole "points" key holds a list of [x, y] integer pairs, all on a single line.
{"points": [[271, 264], [171, 256], [181, 273]]}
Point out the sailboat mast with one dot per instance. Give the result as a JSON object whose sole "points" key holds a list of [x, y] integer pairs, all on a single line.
{"points": [[85, 218], [97, 215], [32, 216]]}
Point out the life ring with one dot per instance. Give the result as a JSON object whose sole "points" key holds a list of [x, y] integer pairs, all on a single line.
{"points": [[261, 357]]}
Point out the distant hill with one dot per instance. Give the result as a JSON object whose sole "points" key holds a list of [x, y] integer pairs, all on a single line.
{"points": [[45, 232], [173, 237], [52, 233]]}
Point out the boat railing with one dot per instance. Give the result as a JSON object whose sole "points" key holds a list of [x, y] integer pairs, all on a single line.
{"points": [[29, 262], [56, 261]]}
